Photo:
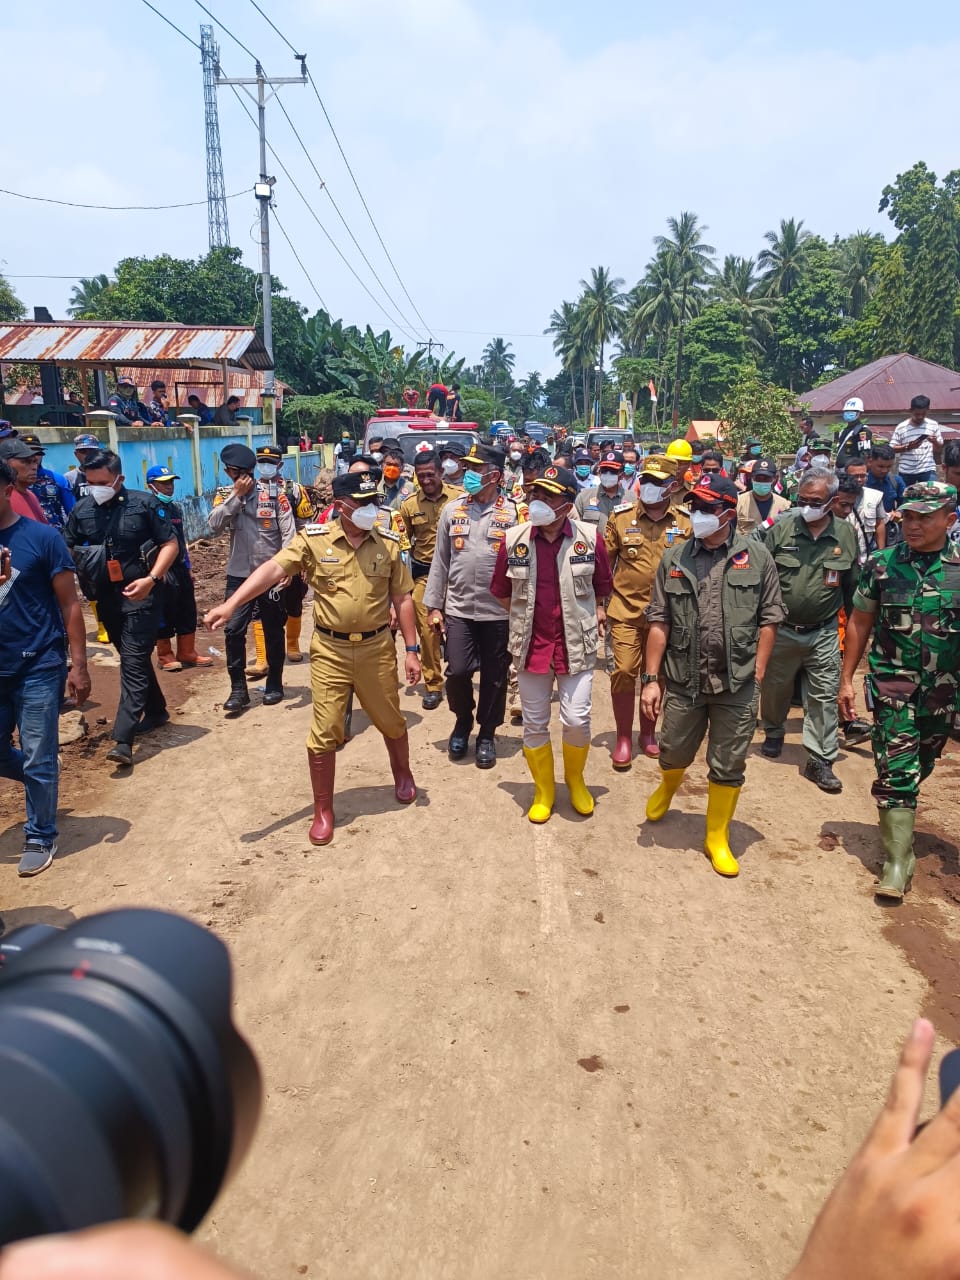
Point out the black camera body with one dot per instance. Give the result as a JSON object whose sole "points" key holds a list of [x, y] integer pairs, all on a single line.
{"points": [[125, 1089]]}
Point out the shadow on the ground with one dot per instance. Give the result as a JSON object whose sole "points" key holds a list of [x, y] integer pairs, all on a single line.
{"points": [[680, 830], [935, 854], [349, 804], [17, 917], [77, 833], [522, 793]]}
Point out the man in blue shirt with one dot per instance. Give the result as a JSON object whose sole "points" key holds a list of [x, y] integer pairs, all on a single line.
{"points": [[38, 603], [879, 465], [51, 489]]}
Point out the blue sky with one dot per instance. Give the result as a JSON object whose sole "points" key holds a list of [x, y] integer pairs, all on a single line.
{"points": [[504, 146]]}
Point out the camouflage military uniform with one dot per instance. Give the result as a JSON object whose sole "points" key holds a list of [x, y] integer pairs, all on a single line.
{"points": [[913, 664]]}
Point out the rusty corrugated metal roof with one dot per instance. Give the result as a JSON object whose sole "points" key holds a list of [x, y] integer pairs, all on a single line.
{"points": [[888, 385], [181, 382], [93, 342]]}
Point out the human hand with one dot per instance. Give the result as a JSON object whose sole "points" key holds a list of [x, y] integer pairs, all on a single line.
{"points": [[78, 682], [139, 589], [601, 621], [393, 617], [435, 620], [218, 616], [6, 565], [411, 667], [894, 1212], [116, 1252], [242, 486], [651, 696], [847, 700]]}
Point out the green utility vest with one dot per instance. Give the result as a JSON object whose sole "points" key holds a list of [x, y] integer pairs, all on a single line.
{"points": [[741, 596]]}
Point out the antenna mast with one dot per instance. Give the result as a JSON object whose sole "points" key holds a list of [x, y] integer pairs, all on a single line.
{"points": [[218, 230]]}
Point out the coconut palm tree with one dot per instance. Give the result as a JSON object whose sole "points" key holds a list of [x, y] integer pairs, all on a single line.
{"points": [[499, 359], [694, 262], [784, 261], [85, 296], [600, 315], [858, 268], [739, 285], [566, 344]]}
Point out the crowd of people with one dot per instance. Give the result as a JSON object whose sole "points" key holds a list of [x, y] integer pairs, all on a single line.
{"points": [[713, 592]]}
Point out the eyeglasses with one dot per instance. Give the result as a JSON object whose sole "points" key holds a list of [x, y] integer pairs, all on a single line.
{"points": [[709, 509]]}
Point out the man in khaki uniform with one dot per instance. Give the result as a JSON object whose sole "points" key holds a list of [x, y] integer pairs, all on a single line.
{"points": [[356, 573], [636, 538], [420, 514], [594, 505], [713, 621], [816, 557]]}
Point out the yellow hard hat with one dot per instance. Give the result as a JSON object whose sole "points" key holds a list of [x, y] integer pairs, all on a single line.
{"points": [[679, 449]]}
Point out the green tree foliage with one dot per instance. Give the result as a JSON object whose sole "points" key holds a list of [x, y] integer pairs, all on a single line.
{"points": [[933, 290], [809, 319], [11, 308], [755, 407], [784, 260], [715, 351], [85, 297], [324, 417]]}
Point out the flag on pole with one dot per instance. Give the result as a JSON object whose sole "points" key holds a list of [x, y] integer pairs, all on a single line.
{"points": [[652, 389]]}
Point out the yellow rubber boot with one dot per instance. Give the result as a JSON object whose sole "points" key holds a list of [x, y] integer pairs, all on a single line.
{"points": [[721, 803], [659, 802], [102, 637], [258, 667], [540, 763], [574, 760], [293, 640]]}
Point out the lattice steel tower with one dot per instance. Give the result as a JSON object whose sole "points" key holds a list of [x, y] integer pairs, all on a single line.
{"points": [[219, 231]]}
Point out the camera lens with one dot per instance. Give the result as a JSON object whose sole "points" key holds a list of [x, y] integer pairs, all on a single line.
{"points": [[125, 1089]]}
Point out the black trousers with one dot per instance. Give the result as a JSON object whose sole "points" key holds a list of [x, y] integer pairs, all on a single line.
{"points": [[437, 401], [271, 613], [178, 605], [293, 596], [132, 627], [478, 646]]}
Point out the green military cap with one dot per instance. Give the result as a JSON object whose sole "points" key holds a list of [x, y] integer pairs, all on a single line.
{"points": [[929, 495]]}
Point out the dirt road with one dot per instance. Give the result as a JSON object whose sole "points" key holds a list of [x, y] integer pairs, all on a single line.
{"points": [[492, 1050]]}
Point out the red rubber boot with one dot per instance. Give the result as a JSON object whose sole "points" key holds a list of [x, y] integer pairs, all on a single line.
{"points": [[323, 766]]}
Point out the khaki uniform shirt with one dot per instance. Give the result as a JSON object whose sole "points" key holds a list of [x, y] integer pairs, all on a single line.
{"points": [[817, 575], [353, 586], [748, 513], [635, 545], [469, 536], [594, 505], [420, 516]]}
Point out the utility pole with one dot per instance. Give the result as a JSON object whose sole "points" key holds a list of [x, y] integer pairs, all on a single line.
{"points": [[263, 190]]}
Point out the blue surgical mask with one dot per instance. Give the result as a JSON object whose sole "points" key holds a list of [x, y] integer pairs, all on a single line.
{"points": [[472, 481], [267, 470], [629, 469], [849, 415], [163, 497], [762, 488], [583, 472], [756, 450]]}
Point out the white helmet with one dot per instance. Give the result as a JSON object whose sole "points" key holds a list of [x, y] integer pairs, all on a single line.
{"points": [[853, 405]]}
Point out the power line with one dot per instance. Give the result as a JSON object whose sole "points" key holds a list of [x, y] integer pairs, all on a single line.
{"points": [[349, 168], [313, 213], [115, 208], [302, 267], [326, 191], [172, 24], [236, 39]]}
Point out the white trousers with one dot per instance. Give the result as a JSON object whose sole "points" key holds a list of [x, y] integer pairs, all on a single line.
{"points": [[575, 706]]}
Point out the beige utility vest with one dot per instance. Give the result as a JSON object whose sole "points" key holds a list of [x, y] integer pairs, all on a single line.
{"points": [[578, 604]]}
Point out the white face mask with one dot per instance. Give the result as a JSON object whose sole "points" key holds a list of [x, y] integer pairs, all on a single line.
{"points": [[813, 514], [704, 523], [515, 455], [101, 493], [267, 470], [650, 494], [540, 513], [364, 517], [609, 479], [449, 466], [378, 456]]}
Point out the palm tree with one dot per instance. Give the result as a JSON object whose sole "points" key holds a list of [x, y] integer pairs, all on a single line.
{"points": [[739, 285], [599, 316], [498, 358], [858, 268], [566, 343], [85, 296], [783, 263], [694, 260]]}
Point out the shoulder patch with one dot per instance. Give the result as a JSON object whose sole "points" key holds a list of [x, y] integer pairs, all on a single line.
{"points": [[314, 528], [623, 506], [389, 533]]}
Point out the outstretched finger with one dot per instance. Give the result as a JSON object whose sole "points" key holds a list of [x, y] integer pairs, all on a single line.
{"points": [[896, 1124]]}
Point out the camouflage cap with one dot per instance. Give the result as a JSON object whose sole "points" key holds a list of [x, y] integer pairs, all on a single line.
{"points": [[929, 495]]}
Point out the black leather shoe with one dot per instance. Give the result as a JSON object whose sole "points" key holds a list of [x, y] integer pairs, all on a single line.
{"points": [[430, 701], [772, 747], [149, 723], [857, 731], [121, 753], [459, 741], [272, 696], [820, 772], [486, 753], [238, 701]]}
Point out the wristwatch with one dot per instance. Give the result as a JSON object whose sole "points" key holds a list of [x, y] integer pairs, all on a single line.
{"points": [[648, 678], [412, 648], [153, 578]]}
